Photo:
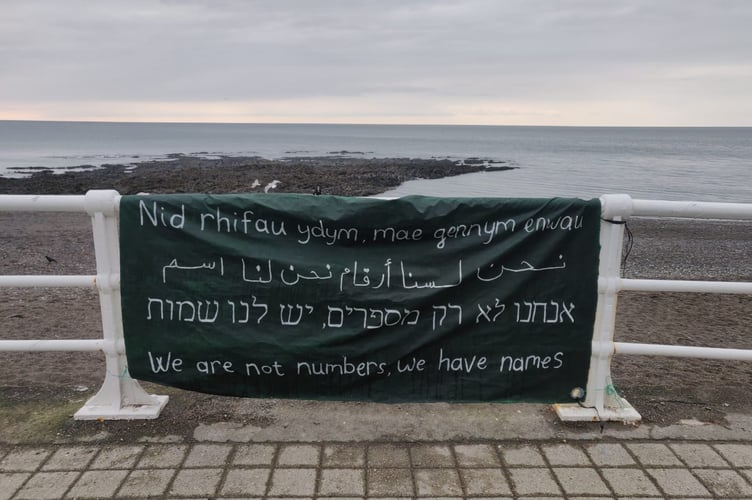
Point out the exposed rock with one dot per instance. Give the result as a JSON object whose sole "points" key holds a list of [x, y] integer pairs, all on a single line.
{"points": [[340, 176]]}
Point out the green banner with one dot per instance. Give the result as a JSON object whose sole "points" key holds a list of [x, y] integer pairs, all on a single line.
{"points": [[325, 297]]}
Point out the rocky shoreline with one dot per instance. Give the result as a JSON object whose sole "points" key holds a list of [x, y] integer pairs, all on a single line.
{"points": [[337, 175]]}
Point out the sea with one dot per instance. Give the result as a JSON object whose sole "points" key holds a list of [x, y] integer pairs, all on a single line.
{"points": [[692, 164]]}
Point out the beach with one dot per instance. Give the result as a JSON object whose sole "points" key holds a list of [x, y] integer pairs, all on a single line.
{"points": [[664, 390]]}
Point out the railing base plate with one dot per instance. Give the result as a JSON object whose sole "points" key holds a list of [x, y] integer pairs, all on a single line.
{"points": [[129, 412], [576, 413]]}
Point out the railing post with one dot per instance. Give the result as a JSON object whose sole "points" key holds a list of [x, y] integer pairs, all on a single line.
{"points": [[601, 402], [120, 396]]}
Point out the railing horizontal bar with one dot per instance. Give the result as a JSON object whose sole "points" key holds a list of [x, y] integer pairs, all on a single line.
{"points": [[646, 285], [52, 345], [83, 281], [683, 351], [692, 209], [42, 203]]}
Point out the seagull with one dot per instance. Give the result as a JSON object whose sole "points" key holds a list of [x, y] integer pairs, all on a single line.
{"points": [[272, 185], [255, 184]]}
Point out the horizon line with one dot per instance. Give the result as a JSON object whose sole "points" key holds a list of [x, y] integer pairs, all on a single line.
{"points": [[157, 122]]}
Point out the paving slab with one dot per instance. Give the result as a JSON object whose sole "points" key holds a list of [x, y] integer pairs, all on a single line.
{"points": [[47, 485], [476, 455], [246, 482], [724, 482], [306, 454], [344, 455], [342, 482], [437, 483], [432, 455], [651, 454], [117, 457], [97, 484], [293, 482], [254, 454], [580, 481], [146, 483], [564, 454], [70, 458], [10, 482], [533, 481], [678, 482], [490, 481], [629, 482], [609, 454], [522, 455], [196, 482], [388, 455], [740, 455], [390, 482], [167, 456], [25, 459], [698, 455]]}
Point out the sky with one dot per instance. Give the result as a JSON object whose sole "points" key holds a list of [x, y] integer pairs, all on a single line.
{"points": [[484, 62]]}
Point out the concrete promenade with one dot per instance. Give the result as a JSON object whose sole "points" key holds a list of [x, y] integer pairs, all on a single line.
{"points": [[586, 469], [404, 452]]}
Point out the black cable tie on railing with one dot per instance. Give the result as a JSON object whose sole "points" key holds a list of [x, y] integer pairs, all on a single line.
{"points": [[629, 244]]}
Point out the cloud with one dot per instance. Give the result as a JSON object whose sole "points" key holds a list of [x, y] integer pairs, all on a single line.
{"points": [[429, 60]]}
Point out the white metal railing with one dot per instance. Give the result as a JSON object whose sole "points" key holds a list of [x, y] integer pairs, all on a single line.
{"points": [[120, 397], [601, 402]]}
